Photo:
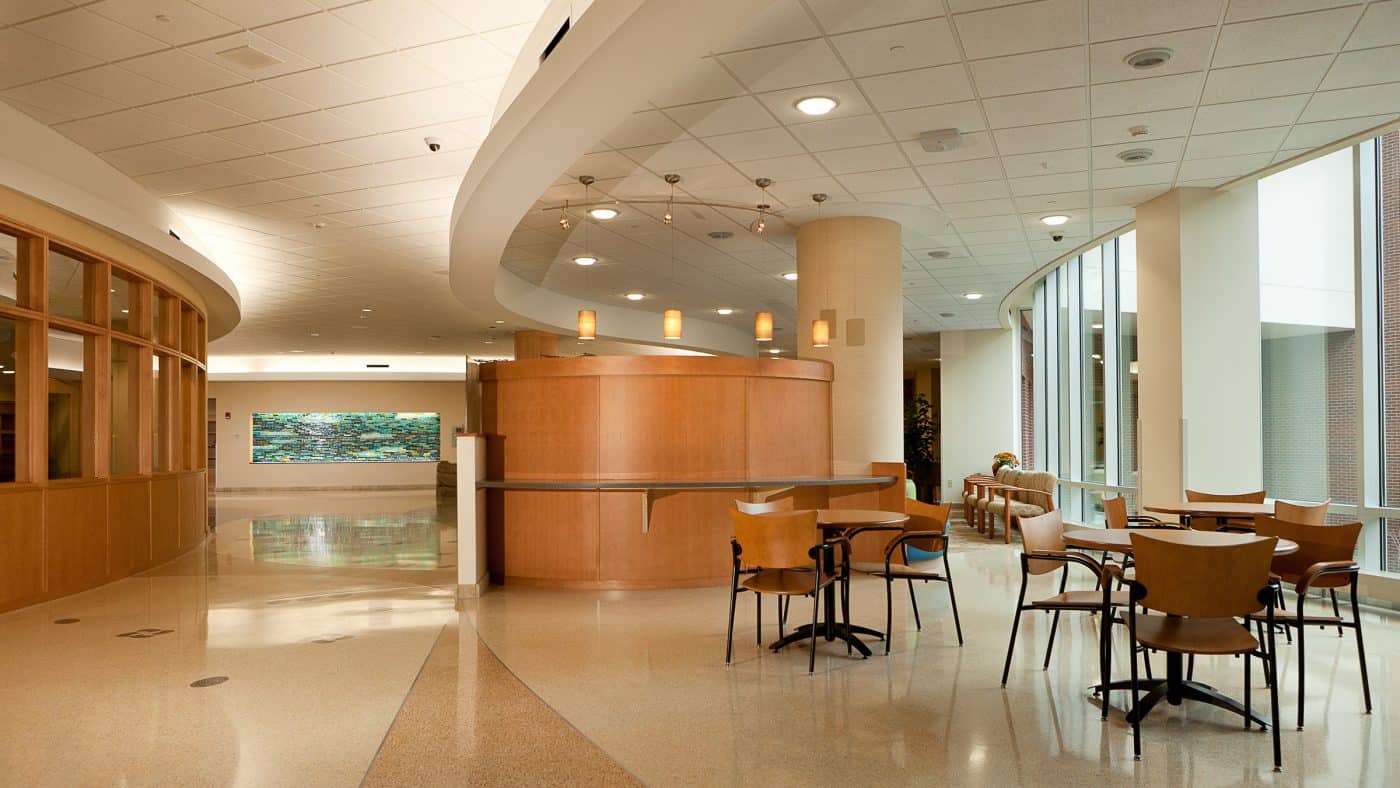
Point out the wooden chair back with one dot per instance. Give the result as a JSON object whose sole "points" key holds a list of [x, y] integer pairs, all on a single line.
{"points": [[928, 517], [1316, 543], [1305, 513], [764, 507], [1196, 496], [778, 540], [1208, 581], [1115, 511], [1043, 534]]}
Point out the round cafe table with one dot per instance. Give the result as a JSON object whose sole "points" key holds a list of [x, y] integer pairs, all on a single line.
{"points": [[1220, 511], [1175, 687], [836, 522]]}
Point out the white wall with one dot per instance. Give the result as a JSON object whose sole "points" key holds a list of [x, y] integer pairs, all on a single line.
{"points": [[1306, 220], [978, 392], [240, 400]]}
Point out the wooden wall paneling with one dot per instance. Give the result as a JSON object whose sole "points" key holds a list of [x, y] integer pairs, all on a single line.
{"points": [[547, 428], [192, 498], [142, 304], [33, 275], [97, 295], [140, 415], [535, 344], [550, 536], [169, 384], [671, 427], [32, 403], [869, 546], [129, 527], [789, 427], [75, 531], [687, 543], [21, 548], [658, 366], [165, 518], [97, 409]]}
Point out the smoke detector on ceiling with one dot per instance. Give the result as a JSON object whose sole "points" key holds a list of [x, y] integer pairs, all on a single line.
{"points": [[940, 140]]}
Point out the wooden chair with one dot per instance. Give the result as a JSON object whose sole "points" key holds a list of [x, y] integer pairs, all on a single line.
{"points": [[765, 507], [1303, 513], [976, 488], [1044, 551], [1201, 590], [1115, 511], [1323, 560], [927, 531], [1231, 523], [781, 546]]}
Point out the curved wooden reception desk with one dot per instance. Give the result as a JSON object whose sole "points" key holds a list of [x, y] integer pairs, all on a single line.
{"points": [[619, 471]]}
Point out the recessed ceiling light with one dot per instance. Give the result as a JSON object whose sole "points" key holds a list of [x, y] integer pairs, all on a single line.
{"points": [[724, 310], [791, 276], [7, 371], [1054, 220], [603, 214], [1135, 155], [366, 309], [584, 259], [634, 296], [774, 351], [315, 333], [296, 351], [815, 105], [1148, 58], [126, 311], [972, 296], [1095, 355], [500, 322]]}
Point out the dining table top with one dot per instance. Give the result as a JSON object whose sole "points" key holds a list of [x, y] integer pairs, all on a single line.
{"points": [[1119, 540], [1212, 508], [850, 518]]}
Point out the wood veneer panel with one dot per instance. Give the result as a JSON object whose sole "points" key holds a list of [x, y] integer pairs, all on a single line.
{"points": [[671, 427], [192, 498], [75, 531], [543, 428], [129, 527], [789, 427], [535, 344], [21, 548], [869, 546], [688, 539], [657, 365], [550, 535], [165, 518]]}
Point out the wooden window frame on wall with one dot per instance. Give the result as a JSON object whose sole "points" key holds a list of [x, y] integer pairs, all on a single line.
{"points": [[181, 345]]}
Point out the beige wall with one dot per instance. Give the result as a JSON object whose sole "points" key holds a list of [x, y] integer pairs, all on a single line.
{"points": [[241, 399], [980, 393]]}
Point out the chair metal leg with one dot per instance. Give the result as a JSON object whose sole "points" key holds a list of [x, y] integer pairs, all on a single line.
{"points": [[1273, 696], [1248, 709], [733, 598], [1336, 611], [1190, 667], [889, 612], [952, 597], [918, 625], [758, 606], [1132, 665], [1055, 623], [1105, 657], [1302, 665], [1360, 647], [782, 619], [1259, 628], [816, 602], [1015, 625]]}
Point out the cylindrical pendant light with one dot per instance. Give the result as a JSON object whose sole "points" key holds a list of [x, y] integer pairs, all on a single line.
{"points": [[587, 324], [763, 327], [671, 324], [821, 333]]}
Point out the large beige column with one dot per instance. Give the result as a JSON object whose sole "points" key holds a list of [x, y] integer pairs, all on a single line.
{"points": [[848, 270]]}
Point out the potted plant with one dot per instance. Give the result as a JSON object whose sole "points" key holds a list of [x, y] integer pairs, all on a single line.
{"points": [[920, 438]]}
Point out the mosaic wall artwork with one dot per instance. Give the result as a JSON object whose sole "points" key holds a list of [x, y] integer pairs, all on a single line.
{"points": [[346, 437]]}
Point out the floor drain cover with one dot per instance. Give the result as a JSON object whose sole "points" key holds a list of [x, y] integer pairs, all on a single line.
{"points": [[209, 681], [66, 620]]}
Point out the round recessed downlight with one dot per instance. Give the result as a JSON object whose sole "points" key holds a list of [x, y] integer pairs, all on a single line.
{"points": [[584, 259], [1148, 58], [1054, 220], [603, 214], [1135, 155], [940, 254], [815, 105], [634, 296], [972, 296], [791, 276], [724, 310], [774, 351]]}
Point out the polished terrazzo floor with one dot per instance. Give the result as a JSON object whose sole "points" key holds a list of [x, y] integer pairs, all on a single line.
{"points": [[331, 615]]}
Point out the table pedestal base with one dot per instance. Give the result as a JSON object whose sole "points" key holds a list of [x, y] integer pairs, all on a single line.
{"points": [[1175, 689]]}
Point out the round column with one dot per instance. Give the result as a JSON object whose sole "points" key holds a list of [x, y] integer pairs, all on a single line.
{"points": [[848, 271]]}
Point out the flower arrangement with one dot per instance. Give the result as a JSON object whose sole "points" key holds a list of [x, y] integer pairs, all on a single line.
{"points": [[1004, 459]]}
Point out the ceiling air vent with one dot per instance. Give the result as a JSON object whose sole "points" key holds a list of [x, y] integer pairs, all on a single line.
{"points": [[376, 366], [720, 235], [1135, 155], [249, 57], [1148, 58]]}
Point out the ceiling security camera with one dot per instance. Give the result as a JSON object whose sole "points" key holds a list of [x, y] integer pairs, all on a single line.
{"points": [[434, 144], [1057, 237]]}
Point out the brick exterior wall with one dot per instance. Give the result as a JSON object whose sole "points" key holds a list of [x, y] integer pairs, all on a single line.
{"points": [[1027, 391], [1390, 325]]}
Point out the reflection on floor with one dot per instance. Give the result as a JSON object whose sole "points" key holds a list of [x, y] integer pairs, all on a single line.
{"points": [[343, 665]]}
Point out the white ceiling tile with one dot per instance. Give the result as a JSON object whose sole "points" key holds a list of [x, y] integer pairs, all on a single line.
{"points": [[509, 40], [25, 57], [1240, 115], [790, 168], [1242, 10], [321, 126], [172, 21], [1106, 156], [254, 13], [1139, 175], [603, 166], [1031, 109], [770, 23], [1265, 80], [325, 38], [207, 147], [1146, 95], [1353, 102], [919, 88], [1380, 26], [197, 113], [1365, 67], [1162, 124], [262, 138], [1023, 28], [705, 81], [265, 167], [1047, 184], [908, 124], [1046, 163], [726, 116], [751, 145], [146, 159], [841, 133], [1312, 135], [455, 58], [257, 101], [1223, 167], [880, 180], [402, 23], [976, 145], [673, 156], [1263, 40], [644, 128], [1206, 146], [1057, 68], [961, 172], [93, 35], [491, 16], [849, 101], [799, 192], [919, 196], [392, 72], [869, 157], [1110, 19], [120, 129], [16, 11], [183, 71], [1191, 50], [786, 65], [212, 50], [1061, 202], [60, 100], [318, 158], [322, 87], [970, 192], [251, 194], [839, 16], [883, 50], [1032, 139]]}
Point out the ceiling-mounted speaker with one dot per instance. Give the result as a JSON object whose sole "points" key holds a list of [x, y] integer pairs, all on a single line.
{"points": [[941, 140]]}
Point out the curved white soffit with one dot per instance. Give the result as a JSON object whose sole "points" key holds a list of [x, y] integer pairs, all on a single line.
{"points": [[615, 57], [41, 163]]}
